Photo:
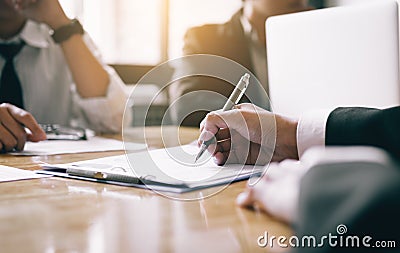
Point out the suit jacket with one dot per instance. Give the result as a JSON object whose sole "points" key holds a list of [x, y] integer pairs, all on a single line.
{"points": [[227, 40], [365, 126], [362, 196]]}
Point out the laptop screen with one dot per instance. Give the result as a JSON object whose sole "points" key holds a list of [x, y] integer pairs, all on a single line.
{"points": [[342, 56]]}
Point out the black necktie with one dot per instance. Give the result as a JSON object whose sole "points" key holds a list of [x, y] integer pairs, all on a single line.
{"points": [[10, 87]]}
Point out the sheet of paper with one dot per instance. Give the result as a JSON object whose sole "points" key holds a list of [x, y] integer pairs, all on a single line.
{"points": [[13, 174], [179, 163], [94, 144]]}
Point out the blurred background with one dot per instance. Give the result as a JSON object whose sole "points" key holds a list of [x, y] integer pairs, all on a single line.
{"points": [[136, 35]]}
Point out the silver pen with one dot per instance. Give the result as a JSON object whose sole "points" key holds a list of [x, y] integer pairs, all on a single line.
{"points": [[233, 99]]}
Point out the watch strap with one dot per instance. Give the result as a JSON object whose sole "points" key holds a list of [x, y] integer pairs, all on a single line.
{"points": [[65, 32]]}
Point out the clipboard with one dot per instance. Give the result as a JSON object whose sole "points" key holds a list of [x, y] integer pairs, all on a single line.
{"points": [[131, 181], [117, 170]]}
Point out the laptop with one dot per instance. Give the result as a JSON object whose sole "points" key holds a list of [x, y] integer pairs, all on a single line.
{"points": [[341, 56]]}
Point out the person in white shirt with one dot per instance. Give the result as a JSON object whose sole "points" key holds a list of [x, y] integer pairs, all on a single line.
{"points": [[61, 76]]}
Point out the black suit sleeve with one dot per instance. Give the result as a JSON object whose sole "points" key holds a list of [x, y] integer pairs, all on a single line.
{"points": [[365, 126]]}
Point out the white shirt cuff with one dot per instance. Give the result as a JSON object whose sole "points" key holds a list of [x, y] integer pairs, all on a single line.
{"points": [[311, 130]]}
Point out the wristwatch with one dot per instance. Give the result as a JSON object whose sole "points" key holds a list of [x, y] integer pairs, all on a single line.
{"points": [[65, 32]]}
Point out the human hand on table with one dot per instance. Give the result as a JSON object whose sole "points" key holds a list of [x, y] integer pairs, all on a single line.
{"points": [[277, 192], [13, 122]]}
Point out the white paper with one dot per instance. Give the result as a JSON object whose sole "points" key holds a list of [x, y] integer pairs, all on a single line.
{"points": [[13, 174], [179, 163], [94, 144]]}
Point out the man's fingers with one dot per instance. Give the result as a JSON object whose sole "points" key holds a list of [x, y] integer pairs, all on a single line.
{"points": [[9, 142], [220, 158], [14, 128], [245, 106], [27, 120], [213, 122], [223, 134], [212, 148], [226, 157], [246, 198], [253, 197], [224, 146], [249, 107], [206, 136], [12, 134]]}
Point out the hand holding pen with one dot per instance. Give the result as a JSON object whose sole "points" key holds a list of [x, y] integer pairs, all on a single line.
{"points": [[249, 135], [233, 99]]}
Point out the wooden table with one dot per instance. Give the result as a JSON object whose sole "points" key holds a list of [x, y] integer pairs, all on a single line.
{"points": [[63, 215]]}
